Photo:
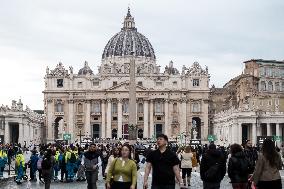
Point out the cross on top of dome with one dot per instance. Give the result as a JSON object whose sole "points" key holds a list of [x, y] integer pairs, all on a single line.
{"points": [[128, 23]]}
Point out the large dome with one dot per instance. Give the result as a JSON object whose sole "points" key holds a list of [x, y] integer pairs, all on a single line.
{"points": [[129, 40]]}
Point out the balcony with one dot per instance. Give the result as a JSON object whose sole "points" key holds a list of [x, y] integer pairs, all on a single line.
{"points": [[96, 113], [159, 113], [125, 113], [59, 113]]}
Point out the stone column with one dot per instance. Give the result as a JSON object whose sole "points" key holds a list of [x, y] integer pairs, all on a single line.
{"points": [[108, 118], [253, 128], [103, 114], [71, 120], [152, 132], [87, 129], [240, 133], [183, 116], [22, 134], [146, 113], [167, 117], [268, 129], [7, 132], [278, 133], [50, 121], [119, 119]]}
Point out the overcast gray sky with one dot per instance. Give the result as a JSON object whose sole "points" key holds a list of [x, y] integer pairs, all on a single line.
{"points": [[218, 33]]}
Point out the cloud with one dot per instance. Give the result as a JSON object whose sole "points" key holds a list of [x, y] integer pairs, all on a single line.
{"points": [[220, 34]]}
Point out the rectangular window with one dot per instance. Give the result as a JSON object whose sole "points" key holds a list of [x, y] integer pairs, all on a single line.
{"points": [[59, 83], [140, 118], [140, 83], [96, 118], [114, 118], [195, 82], [80, 84], [59, 107], [96, 83], [114, 107], [97, 108], [158, 107], [175, 83], [159, 118], [125, 107], [140, 108], [159, 83], [114, 83], [175, 107]]}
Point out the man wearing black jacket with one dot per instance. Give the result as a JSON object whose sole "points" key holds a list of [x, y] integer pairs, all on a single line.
{"points": [[212, 168]]}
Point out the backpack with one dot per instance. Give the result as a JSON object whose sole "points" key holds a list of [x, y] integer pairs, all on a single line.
{"points": [[212, 172], [46, 163], [39, 162], [72, 158]]}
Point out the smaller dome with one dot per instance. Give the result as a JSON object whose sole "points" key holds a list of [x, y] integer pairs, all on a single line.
{"points": [[85, 70]]}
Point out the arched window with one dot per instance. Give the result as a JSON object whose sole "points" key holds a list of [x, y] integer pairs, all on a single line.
{"points": [[158, 107], [282, 87], [97, 107], [80, 108], [263, 86], [140, 108], [195, 107], [175, 107], [270, 86], [125, 107], [114, 107], [277, 86], [59, 107]]}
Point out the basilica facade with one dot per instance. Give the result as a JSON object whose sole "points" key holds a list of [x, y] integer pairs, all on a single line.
{"points": [[96, 104]]}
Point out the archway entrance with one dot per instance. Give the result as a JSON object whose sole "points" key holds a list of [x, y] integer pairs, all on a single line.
{"points": [[197, 122], [125, 131], [96, 130], [114, 133], [140, 133], [14, 132], [158, 129], [56, 127]]}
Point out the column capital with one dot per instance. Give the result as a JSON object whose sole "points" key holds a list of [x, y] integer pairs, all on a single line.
{"points": [[109, 100], [183, 100], [119, 100], [166, 100], [49, 100], [70, 101], [88, 101]]}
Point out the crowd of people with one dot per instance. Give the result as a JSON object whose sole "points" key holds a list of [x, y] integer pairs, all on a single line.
{"points": [[170, 165]]}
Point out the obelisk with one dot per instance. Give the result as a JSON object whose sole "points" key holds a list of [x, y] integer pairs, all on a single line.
{"points": [[132, 100]]}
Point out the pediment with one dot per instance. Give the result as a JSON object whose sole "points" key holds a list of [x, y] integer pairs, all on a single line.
{"points": [[124, 86]]}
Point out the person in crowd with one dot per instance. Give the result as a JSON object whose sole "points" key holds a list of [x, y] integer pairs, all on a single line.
{"points": [[212, 168], [194, 160], [39, 167], [238, 167], [165, 165], [104, 157], [33, 165], [62, 165], [20, 166], [251, 155], [3, 161], [81, 167], [186, 165], [115, 153], [47, 168], [70, 164], [123, 171], [92, 161], [266, 174], [56, 167]]}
